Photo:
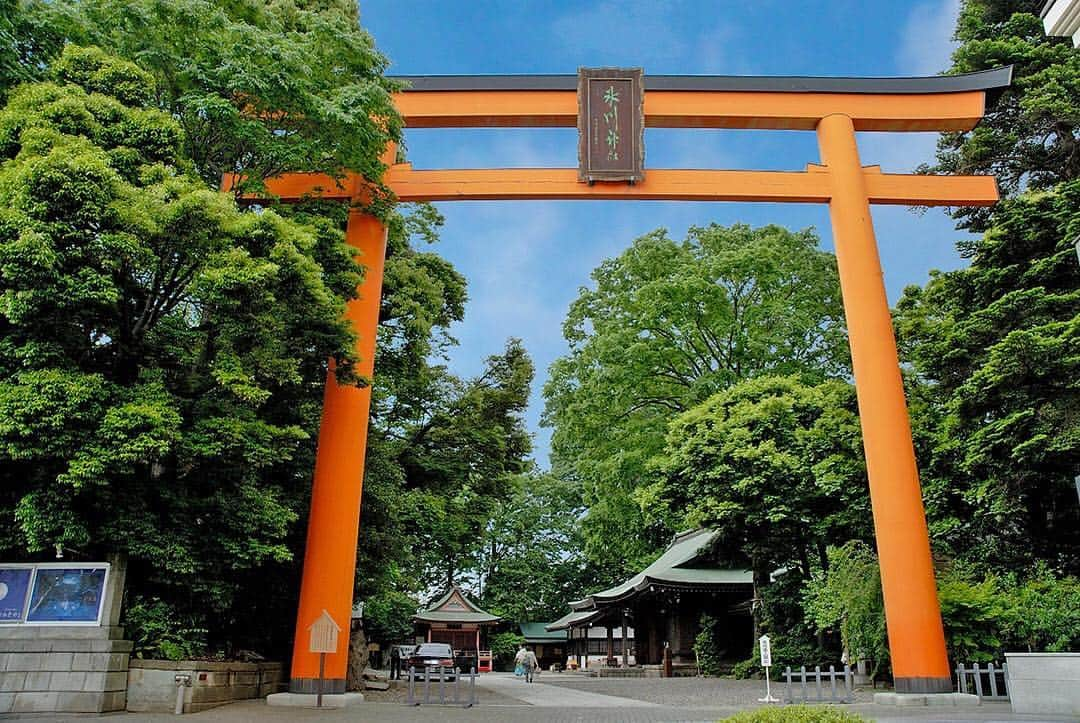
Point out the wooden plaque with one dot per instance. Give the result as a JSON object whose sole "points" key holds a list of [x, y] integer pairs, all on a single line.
{"points": [[611, 124]]}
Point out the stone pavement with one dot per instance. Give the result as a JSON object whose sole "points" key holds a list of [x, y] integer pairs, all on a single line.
{"points": [[571, 699]]}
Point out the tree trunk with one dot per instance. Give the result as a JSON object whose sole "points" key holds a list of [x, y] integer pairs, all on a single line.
{"points": [[761, 580], [358, 657]]}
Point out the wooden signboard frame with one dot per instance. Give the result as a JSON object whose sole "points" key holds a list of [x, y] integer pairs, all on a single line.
{"points": [[611, 124]]}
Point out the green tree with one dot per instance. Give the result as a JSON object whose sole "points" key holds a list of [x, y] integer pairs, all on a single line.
{"points": [[846, 596], [994, 348], [775, 465], [667, 325], [531, 562], [27, 43], [160, 349], [457, 462], [388, 617], [259, 88], [1029, 135]]}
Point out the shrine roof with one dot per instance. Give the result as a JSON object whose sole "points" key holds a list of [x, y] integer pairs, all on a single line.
{"points": [[985, 80], [454, 606], [571, 619], [678, 566], [539, 633]]}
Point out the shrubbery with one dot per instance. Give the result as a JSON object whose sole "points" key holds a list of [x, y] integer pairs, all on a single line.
{"points": [[160, 632], [708, 655], [795, 714]]}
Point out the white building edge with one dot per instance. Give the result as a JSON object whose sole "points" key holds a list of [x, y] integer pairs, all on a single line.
{"points": [[1062, 17]]}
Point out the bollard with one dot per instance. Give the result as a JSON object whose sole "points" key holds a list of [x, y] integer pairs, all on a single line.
{"points": [[472, 688], [832, 682], [412, 686], [442, 685], [787, 687], [427, 684], [182, 681], [457, 685]]}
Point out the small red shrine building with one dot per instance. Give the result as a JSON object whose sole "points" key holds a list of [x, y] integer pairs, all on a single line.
{"points": [[458, 621]]}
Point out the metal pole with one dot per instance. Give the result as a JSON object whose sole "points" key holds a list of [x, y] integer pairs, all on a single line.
{"points": [[625, 647]]}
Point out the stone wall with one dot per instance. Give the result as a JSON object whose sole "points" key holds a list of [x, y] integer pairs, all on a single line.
{"points": [[151, 684], [1044, 683], [46, 669]]}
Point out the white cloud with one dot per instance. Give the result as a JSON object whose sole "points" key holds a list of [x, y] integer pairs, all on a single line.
{"points": [[926, 43]]}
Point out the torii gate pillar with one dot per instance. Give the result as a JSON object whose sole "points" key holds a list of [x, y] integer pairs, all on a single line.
{"points": [[330, 555], [916, 638]]}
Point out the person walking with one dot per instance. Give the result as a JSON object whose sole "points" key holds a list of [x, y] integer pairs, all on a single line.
{"points": [[395, 662], [531, 664], [519, 662]]}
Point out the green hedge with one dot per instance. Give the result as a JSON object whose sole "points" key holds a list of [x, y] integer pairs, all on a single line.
{"points": [[796, 714]]}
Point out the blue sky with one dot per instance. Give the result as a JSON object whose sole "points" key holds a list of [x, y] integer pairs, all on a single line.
{"points": [[526, 261]]}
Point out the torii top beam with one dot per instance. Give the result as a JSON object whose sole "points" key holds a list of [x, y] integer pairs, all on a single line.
{"points": [[940, 103]]}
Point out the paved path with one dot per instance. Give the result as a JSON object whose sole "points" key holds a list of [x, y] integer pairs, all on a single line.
{"points": [[551, 696]]}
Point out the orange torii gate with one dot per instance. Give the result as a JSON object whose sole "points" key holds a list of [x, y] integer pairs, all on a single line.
{"points": [[833, 107]]}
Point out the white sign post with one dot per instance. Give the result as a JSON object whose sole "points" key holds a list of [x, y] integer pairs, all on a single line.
{"points": [[766, 661], [324, 639]]}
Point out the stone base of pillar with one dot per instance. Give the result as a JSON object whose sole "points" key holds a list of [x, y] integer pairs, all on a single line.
{"points": [[307, 700], [926, 699]]}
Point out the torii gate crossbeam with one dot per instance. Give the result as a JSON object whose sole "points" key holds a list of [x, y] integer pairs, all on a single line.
{"points": [[836, 108]]}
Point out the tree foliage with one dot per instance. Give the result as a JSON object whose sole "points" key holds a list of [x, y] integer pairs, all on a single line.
{"points": [[1029, 135], [846, 596], [531, 562], [774, 465], [667, 325], [994, 347], [158, 345], [163, 351], [258, 88]]}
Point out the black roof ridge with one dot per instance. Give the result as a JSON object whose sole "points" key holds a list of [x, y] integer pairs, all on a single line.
{"points": [[986, 80]]}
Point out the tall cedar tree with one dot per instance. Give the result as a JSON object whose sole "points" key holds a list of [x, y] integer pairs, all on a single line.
{"points": [[995, 348]]}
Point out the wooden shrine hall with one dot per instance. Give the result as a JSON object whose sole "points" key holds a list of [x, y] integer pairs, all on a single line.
{"points": [[664, 603], [458, 621]]}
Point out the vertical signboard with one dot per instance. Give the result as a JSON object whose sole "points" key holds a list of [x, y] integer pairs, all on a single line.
{"points": [[611, 124]]}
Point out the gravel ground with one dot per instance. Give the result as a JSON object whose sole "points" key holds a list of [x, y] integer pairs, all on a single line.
{"points": [[559, 699], [679, 692]]}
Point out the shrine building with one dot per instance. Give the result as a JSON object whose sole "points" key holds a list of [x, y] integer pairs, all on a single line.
{"points": [[661, 607], [456, 620]]}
